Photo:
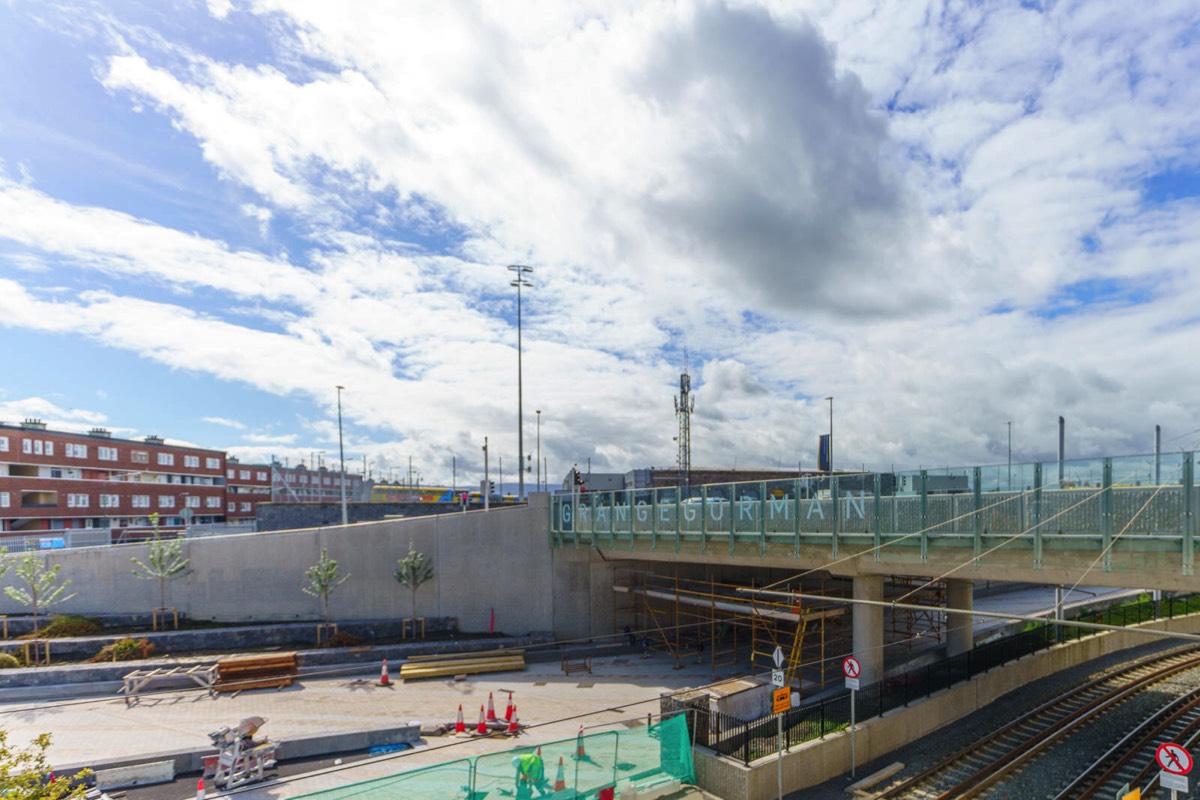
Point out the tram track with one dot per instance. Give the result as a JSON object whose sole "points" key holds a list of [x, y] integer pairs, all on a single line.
{"points": [[973, 771]]}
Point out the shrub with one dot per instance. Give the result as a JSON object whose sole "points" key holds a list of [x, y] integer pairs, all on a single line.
{"points": [[71, 625], [9, 661], [126, 649]]}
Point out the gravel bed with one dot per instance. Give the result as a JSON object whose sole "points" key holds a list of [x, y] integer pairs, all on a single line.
{"points": [[1049, 775]]}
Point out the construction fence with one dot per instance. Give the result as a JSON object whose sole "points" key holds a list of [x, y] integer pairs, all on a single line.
{"points": [[588, 766]]}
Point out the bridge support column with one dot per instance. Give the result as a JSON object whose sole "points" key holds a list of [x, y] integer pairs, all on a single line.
{"points": [[960, 636], [868, 627]]}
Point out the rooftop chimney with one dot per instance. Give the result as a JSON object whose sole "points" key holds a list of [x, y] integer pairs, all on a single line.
{"points": [[31, 424], [100, 433]]}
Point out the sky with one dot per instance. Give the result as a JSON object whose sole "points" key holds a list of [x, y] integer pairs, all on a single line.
{"points": [[955, 219]]}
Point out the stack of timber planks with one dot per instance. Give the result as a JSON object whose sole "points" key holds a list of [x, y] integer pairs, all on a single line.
{"points": [[441, 665], [256, 672]]}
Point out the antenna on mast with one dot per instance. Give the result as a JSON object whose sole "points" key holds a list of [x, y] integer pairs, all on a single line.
{"points": [[685, 404]]}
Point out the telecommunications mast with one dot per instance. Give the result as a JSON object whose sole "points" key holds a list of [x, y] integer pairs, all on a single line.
{"points": [[685, 404]]}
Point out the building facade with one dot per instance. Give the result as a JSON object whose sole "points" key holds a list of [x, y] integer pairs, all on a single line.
{"points": [[301, 484], [62, 481]]}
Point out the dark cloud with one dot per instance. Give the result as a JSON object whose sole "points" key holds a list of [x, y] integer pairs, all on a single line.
{"points": [[785, 183]]}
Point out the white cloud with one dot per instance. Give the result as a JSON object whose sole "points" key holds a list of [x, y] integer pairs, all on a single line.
{"points": [[228, 423]]}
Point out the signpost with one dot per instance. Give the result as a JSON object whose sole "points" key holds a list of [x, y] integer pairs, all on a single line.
{"points": [[781, 700], [1176, 763], [852, 669]]}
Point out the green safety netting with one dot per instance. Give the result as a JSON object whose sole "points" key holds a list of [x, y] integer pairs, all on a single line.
{"points": [[592, 766]]}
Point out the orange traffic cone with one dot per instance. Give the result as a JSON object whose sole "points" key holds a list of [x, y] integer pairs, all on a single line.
{"points": [[200, 793], [579, 751], [512, 729], [383, 675], [508, 712], [491, 709], [459, 727], [481, 728], [560, 782]]}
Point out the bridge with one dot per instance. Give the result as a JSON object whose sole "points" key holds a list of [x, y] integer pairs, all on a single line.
{"points": [[1118, 521]]}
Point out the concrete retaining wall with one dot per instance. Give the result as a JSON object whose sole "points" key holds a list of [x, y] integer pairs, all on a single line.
{"points": [[498, 560], [816, 762]]}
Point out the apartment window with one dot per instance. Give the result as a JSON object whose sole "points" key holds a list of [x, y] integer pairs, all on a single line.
{"points": [[246, 506], [37, 447], [4, 500], [140, 457], [191, 461], [141, 501], [229, 473], [166, 501], [212, 502], [244, 475], [77, 501], [110, 500], [76, 450], [106, 453], [193, 501], [26, 446], [291, 478], [3, 444], [233, 506], [166, 459], [260, 476], [212, 463]]}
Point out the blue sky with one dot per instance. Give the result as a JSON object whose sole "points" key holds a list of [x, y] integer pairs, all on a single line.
{"points": [[946, 216]]}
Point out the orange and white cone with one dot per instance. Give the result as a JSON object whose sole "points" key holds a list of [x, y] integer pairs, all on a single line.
{"points": [[491, 709], [579, 751], [481, 728], [200, 793], [560, 782], [513, 729], [384, 680], [508, 712], [459, 727]]}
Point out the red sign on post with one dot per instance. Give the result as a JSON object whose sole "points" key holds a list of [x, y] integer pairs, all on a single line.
{"points": [[851, 668], [1173, 758]]}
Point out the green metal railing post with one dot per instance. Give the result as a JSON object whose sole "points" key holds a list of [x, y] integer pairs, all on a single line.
{"points": [[834, 518], [1037, 515], [978, 515], [762, 518], [703, 519], [796, 521], [1106, 515], [678, 520], [653, 520], [924, 522], [1189, 513], [877, 538]]}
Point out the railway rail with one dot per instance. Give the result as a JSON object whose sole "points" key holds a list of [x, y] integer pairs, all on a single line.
{"points": [[978, 768]]}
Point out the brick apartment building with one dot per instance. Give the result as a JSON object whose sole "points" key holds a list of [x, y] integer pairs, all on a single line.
{"points": [[57, 480], [246, 485], [300, 484]]}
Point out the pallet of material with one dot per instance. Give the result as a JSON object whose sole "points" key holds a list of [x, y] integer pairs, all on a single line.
{"points": [[462, 664], [269, 670]]}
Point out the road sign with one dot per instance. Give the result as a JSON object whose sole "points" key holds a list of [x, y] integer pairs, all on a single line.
{"points": [[781, 699], [851, 668], [1172, 781], [778, 657], [777, 677], [1173, 759], [852, 683]]}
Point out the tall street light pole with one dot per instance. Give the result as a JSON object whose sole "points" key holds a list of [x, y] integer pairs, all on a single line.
{"points": [[539, 450], [342, 457], [830, 399], [519, 272]]}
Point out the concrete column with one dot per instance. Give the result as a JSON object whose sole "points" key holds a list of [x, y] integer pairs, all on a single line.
{"points": [[868, 628], [960, 636]]}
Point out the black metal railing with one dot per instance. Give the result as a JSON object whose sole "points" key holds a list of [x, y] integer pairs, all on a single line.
{"points": [[750, 740]]}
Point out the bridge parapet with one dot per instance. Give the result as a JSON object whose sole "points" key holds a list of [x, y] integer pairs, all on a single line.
{"points": [[1133, 515]]}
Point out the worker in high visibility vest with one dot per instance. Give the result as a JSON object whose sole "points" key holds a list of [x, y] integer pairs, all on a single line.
{"points": [[531, 774]]}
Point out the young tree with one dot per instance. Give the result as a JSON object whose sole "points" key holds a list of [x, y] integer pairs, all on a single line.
{"points": [[323, 578], [44, 590], [24, 774], [413, 570], [164, 561]]}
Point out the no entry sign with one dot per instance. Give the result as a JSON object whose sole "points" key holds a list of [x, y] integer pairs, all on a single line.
{"points": [[851, 668], [1174, 759]]}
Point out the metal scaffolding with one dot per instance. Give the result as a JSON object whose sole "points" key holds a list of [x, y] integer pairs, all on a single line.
{"points": [[683, 618]]}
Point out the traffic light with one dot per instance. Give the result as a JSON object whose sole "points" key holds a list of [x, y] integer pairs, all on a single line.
{"points": [[578, 478]]}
